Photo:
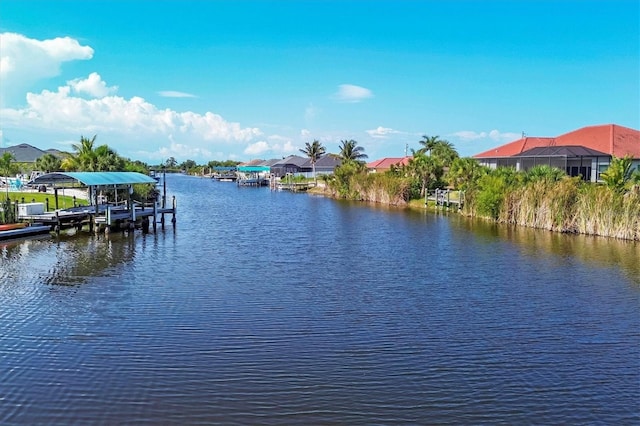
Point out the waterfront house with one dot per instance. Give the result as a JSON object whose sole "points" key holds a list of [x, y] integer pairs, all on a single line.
{"points": [[293, 164], [384, 164], [585, 152], [325, 165], [301, 166]]}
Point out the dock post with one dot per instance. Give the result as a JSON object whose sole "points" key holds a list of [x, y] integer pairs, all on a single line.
{"points": [[173, 204], [155, 216]]}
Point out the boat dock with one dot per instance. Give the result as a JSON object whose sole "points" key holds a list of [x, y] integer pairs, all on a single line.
{"points": [[105, 217], [445, 198], [100, 215], [292, 186]]}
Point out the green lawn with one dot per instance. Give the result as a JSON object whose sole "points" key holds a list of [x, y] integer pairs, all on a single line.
{"points": [[64, 201]]}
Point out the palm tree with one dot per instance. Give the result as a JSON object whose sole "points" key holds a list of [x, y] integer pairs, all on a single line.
{"points": [[349, 150], [428, 143], [425, 170], [544, 173], [171, 163], [88, 158], [84, 157], [314, 151], [108, 160], [443, 151], [48, 163], [463, 173], [618, 174], [7, 167]]}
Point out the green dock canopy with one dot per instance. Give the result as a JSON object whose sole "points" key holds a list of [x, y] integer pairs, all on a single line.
{"points": [[93, 178], [254, 168]]}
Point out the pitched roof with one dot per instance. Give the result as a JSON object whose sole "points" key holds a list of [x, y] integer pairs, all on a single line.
{"points": [[386, 163], [296, 160], [610, 139], [94, 178], [23, 153], [561, 151], [328, 161]]}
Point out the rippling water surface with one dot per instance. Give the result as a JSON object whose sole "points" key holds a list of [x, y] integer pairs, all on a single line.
{"points": [[276, 308]]}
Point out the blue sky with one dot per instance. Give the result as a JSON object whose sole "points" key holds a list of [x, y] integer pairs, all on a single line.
{"points": [[218, 80]]}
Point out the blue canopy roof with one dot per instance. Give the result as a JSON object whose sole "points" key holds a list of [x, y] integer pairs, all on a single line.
{"points": [[254, 168], [93, 178]]}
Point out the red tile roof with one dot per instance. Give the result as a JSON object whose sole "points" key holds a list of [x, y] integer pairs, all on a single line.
{"points": [[609, 138], [386, 163]]}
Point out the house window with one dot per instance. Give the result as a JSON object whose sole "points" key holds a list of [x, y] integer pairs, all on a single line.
{"points": [[601, 168]]}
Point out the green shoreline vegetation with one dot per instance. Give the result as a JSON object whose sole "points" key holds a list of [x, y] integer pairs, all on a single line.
{"points": [[541, 197]]}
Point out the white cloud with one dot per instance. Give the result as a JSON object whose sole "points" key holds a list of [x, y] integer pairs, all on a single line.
{"points": [[61, 110], [351, 93], [175, 94], [282, 146], [127, 125], [382, 132], [496, 135], [179, 150], [93, 86], [23, 61], [257, 148]]}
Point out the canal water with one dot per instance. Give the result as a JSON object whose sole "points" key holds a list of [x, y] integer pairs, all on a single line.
{"points": [[273, 308]]}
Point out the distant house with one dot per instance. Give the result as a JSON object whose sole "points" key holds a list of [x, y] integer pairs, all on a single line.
{"points": [[293, 164], [585, 152], [296, 165], [325, 165], [24, 153], [384, 164]]}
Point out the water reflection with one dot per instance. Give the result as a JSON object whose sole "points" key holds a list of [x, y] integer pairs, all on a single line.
{"points": [[71, 259], [604, 252]]}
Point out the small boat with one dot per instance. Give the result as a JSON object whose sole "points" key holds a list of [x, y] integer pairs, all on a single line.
{"points": [[12, 226], [22, 231]]}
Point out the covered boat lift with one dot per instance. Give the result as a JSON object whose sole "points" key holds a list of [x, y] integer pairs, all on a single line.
{"points": [[101, 213]]}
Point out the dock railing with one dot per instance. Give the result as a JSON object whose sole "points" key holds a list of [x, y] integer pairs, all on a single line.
{"points": [[445, 198]]}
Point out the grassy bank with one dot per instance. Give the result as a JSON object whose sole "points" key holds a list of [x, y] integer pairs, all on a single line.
{"points": [[9, 202], [542, 198], [64, 201]]}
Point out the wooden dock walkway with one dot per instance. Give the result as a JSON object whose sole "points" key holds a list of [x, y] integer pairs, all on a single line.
{"points": [[293, 186], [105, 217], [445, 198]]}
